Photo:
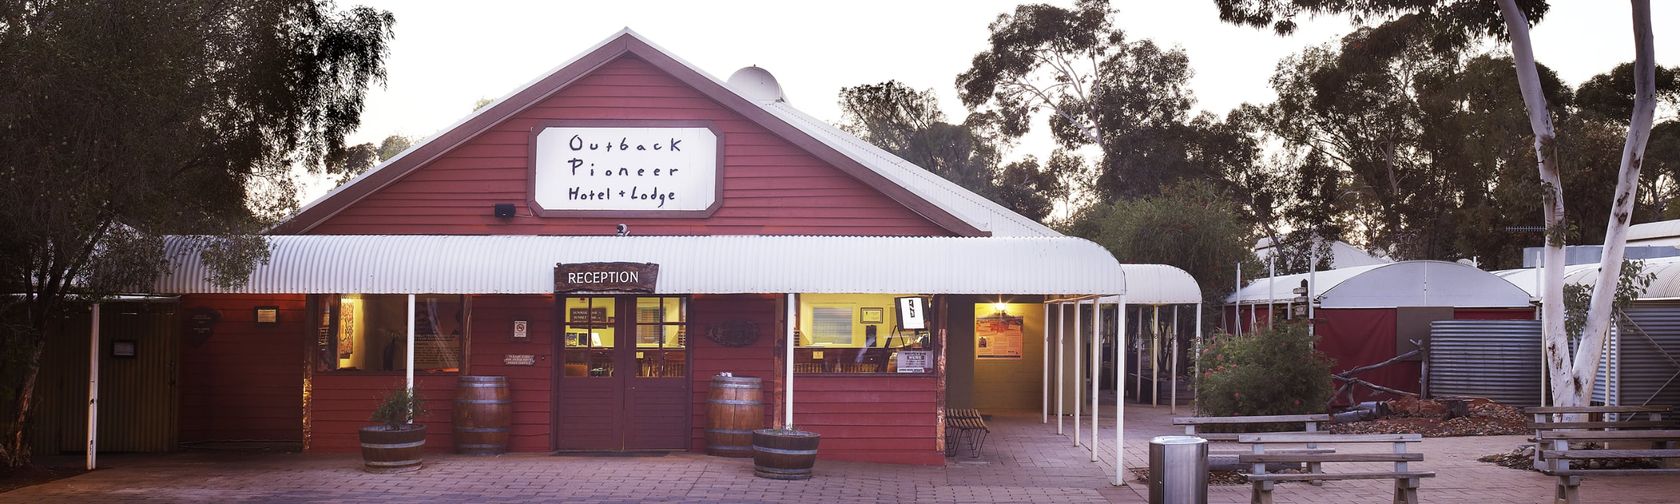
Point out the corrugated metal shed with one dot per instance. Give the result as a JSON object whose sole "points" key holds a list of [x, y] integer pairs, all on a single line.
{"points": [[413, 264], [1406, 283], [1496, 359]]}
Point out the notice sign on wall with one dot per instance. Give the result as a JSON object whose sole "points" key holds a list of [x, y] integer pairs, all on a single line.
{"points": [[998, 337], [625, 169]]}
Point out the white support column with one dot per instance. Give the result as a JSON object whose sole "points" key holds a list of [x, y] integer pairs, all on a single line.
{"points": [[1271, 289], [1155, 358], [1061, 361], [1195, 400], [1173, 348], [1119, 392], [1096, 369], [1045, 414], [1137, 386], [792, 341], [1236, 317], [409, 359], [93, 390], [1312, 283], [1078, 366]]}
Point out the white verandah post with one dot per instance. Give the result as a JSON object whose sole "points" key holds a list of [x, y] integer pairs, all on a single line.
{"points": [[1078, 365], [1061, 361], [787, 379], [1045, 414], [1173, 348], [1119, 392], [408, 373], [1195, 399], [1096, 369]]}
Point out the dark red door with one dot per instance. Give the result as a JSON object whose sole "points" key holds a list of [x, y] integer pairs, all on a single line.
{"points": [[623, 383]]}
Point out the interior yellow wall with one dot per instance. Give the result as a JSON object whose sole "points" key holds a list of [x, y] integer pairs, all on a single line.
{"points": [[1012, 383], [889, 314]]}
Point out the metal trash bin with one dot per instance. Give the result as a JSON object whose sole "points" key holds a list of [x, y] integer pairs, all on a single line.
{"points": [[1178, 470]]}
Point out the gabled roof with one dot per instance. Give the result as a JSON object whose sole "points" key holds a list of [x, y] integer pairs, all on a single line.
{"points": [[943, 203]]}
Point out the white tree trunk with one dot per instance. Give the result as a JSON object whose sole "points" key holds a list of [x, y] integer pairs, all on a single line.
{"points": [[1554, 340], [1599, 312]]}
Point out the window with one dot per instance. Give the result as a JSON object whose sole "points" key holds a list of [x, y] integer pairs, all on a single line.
{"points": [[661, 337], [366, 332], [590, 336], [858, 333]]}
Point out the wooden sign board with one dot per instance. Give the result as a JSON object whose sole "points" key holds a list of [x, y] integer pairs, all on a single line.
{"points": [[605, 277]]}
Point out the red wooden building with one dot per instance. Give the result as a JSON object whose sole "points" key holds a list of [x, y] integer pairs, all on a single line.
{"points": [[759, 241]]}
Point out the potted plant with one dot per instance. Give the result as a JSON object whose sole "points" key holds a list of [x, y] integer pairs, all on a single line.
{"points": [[784, 454], [394, 444]]}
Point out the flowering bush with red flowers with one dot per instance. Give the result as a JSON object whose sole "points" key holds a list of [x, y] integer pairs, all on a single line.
{"points": [[1272, 372]]}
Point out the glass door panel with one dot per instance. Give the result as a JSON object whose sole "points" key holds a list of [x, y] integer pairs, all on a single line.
{"points": [[590, 336], [661, 337]]}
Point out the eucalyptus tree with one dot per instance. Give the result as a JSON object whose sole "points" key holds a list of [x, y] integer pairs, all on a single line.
{"points": [[126, 121], [1129, 99], [909, 124], [1451, 23]]}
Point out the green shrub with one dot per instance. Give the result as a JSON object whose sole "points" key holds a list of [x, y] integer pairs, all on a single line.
{"points": [[398, 407], [1273, 372]]}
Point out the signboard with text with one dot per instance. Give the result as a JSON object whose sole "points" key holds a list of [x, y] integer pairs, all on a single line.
{"points": [[646, 169], [605, 277]]}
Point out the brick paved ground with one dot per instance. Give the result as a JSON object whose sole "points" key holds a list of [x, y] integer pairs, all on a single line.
{"points": [[1024, 461]]}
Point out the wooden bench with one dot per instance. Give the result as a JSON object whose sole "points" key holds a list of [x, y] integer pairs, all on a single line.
{"points": [[967, 423], [1228, 458], [1405, 480], [1554, 455]]}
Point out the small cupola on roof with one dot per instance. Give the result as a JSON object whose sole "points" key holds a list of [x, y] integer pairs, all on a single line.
{"points": [[757, 84]]}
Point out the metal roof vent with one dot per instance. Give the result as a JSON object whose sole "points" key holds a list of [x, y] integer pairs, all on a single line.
{"points": [[757, 85]]}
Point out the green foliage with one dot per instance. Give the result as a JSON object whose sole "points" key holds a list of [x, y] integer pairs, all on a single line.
{"points": [[1130, 99], [1273, 372], [398, 408], [126, 121], [909, 124], [1577, 298], [1191, 226]]}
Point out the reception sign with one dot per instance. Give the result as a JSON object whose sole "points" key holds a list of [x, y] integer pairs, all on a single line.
{"points": [[625, 171], [605, 277]]}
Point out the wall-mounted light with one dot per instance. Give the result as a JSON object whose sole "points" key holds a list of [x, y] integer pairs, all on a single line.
{"points": [[1000, 307], [503, 210]]}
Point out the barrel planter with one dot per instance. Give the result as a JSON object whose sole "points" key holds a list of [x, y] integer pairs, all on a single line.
{"points": [[483, 412], [784, 454], [734, 409], [386, 450]]}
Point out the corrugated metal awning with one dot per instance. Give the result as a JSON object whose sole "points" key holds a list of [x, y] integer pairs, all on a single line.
{"points": [[418, 264]]}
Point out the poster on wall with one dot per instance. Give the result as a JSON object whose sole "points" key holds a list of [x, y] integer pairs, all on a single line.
{"points": [[998, 337], [346, 329]]}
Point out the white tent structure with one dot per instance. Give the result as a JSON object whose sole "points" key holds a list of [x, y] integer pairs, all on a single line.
{"points": [[1146, 284]]}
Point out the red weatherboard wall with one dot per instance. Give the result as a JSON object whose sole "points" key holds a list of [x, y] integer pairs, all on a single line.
{"points": [[769, 185], [709, 359], [492, 341], [245, 382], [343, 402], [892, 419]]}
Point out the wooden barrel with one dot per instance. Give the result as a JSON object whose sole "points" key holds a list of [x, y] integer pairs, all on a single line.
{"points": [[784, 454], [734, 409], [483, 411], [392, 450]]}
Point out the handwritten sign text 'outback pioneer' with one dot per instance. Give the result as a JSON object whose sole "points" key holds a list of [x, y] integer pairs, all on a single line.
{"points": [[605, 277], [629, 169]]}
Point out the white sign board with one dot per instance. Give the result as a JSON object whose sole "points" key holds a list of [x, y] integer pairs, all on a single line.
{"points": [[625, 169], [914, 361], [911, 314]]}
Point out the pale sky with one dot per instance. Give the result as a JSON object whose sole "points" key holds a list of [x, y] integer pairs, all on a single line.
{"points": [[447, 54]]}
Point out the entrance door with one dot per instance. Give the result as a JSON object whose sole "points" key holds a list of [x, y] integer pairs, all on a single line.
{"points": [[623, 381]]}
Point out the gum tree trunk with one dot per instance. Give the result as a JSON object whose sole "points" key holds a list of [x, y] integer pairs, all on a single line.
{"points": [[1554, 341], [1599, 313]]}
